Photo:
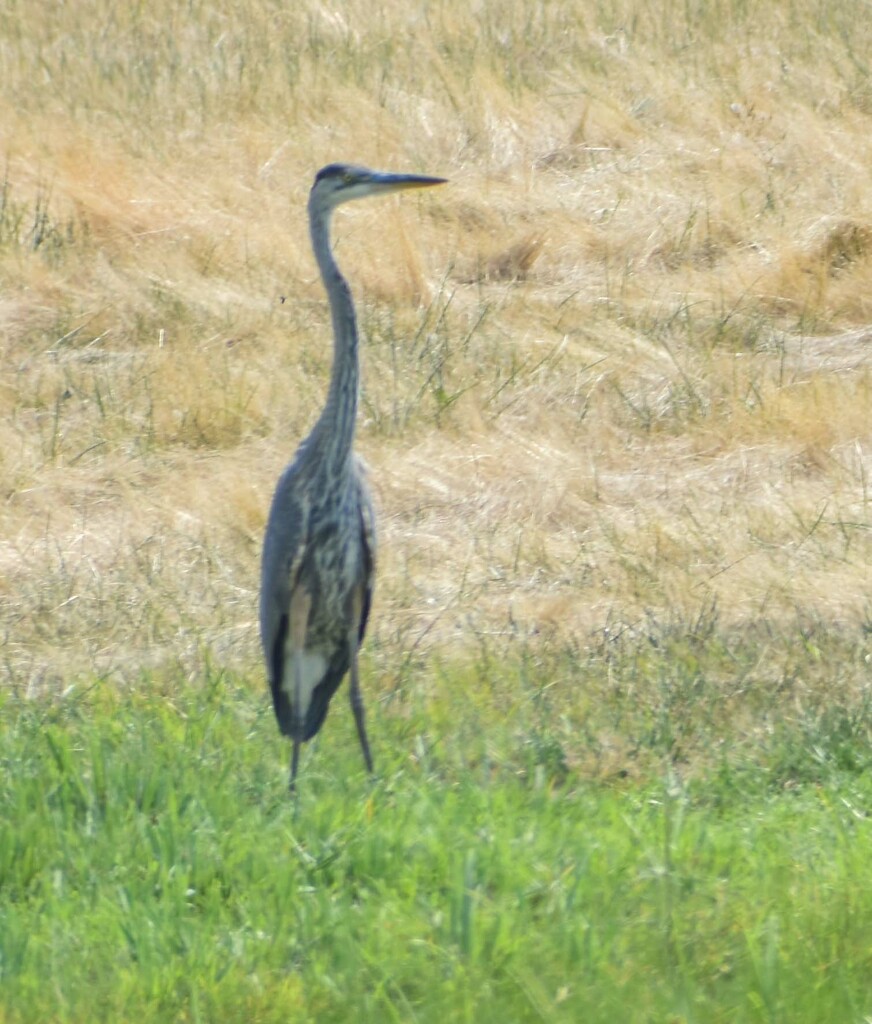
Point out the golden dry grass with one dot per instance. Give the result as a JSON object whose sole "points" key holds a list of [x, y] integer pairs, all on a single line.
{"points": [[618, 368]]}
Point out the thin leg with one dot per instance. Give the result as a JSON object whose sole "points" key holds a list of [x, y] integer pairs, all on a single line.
{"points": [[298, 615], [295, 760], [356, 698]]}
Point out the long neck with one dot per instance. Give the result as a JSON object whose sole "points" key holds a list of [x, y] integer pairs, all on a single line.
{"points": [[335, 427]]}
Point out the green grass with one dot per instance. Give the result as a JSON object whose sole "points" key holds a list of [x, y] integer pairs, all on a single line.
{"points": [[153, 867]]}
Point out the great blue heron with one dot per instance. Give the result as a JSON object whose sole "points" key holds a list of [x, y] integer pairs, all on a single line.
{"points": [[319, 551]]}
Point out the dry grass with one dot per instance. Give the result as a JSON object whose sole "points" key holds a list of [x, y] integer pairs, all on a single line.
{"points": [[618, 368]]}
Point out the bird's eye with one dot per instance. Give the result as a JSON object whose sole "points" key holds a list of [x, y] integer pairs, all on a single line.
{"points": [[347, 179]]}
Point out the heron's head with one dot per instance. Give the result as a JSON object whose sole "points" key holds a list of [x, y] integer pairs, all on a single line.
{"points": [[340, 183]]}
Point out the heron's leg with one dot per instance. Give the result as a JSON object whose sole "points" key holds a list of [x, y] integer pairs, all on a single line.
{"points": [[356, 698], [298, 616]]}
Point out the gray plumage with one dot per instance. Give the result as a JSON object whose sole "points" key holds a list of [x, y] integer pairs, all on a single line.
{"points": [[319, 551]]}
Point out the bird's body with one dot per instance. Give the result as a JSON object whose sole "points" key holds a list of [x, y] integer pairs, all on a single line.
{"points": [[319, 552], [337, 559]]}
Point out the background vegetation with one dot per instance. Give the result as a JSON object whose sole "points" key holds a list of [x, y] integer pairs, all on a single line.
{"points": [[617, 410]]}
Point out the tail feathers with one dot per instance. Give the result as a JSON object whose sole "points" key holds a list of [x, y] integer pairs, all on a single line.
{"points": [[284, 713], [318, 705]]}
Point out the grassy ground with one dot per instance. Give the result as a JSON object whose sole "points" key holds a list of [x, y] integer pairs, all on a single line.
{"points": [[616, 403], [156, 871]]}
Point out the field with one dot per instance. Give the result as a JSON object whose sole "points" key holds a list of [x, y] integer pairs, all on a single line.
{"points": [[617, 409]]}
